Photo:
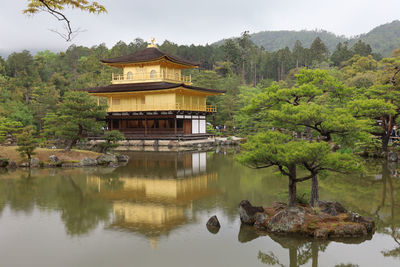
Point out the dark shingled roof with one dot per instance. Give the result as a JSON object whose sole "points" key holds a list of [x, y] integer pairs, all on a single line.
{"points": [[136, 87], [148, 54]]}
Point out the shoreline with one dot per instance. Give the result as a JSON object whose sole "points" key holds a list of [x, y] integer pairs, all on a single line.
{"points": [[54, 158]]}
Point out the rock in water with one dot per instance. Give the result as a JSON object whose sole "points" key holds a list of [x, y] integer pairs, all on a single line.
{"points": [[4, 163], [247, 212], [35, 162], [213, 222], [122, 158], [368, 223], [88, 162], [392, 157], [213, 225], [12, 165], [106, 159], [288, 220]]}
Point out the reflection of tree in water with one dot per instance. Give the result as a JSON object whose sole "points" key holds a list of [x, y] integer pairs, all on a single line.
{"points": [[22, 194], [81, 211], [300, 251], [389, 170]]}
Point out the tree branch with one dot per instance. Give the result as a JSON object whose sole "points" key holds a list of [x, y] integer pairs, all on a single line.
{"points": [[305, 178], [60, 17]]}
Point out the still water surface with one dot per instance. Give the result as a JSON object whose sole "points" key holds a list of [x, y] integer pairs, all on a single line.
{"points": [[153, 211]]}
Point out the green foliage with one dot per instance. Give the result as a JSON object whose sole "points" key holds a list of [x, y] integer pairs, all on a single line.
{"points": [[27, 143], [273, 148], [8, 126], [210, 129], [111, 140], [78, 115]]}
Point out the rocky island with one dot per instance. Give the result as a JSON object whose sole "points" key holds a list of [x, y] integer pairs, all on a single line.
{"points": [[328, 220]]}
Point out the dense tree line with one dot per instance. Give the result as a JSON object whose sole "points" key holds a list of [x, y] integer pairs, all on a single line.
{"points": [[32, 86]]}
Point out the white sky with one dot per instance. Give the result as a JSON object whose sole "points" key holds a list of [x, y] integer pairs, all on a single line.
{"points": [[188, 21]]}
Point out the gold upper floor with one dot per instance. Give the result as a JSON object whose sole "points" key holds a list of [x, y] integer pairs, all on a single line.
{"points": [[179, 99]]}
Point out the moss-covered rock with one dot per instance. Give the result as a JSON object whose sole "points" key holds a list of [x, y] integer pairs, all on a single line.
{"points": [[330, 220]]}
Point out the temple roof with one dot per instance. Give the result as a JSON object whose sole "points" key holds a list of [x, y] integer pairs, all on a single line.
{"points": [[148, 54], [147, 86]]}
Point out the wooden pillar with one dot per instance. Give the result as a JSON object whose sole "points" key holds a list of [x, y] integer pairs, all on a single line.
{"points": [[175, 122], [112, 124], [145, 126]]}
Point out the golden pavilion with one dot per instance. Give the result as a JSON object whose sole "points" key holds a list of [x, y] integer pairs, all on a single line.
{"points": [[153, 99]]}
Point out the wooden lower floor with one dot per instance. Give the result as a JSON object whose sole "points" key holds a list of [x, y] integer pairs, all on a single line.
{"points": [[149, 126]]}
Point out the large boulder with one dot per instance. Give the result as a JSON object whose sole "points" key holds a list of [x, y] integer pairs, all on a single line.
{"points": [[4, 163], [287, 220], [247, 212], [88, 162], [122, 158], [35, 162], [331, 207], [106, 159], [368, 223]]}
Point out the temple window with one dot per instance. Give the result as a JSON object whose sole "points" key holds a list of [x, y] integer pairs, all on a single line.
{"points": [[153, 74], [129, 75]]}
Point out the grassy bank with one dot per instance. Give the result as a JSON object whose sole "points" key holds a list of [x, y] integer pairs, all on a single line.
{"points": [[11, 153]]}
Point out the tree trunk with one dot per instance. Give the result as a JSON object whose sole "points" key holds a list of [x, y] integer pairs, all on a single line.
{"points": [[243, 72], [314, 191], [293, 257], [71, 144], [292, 186], [314, 252], [385, 142]]}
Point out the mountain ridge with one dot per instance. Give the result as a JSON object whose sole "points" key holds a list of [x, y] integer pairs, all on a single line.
{"points": [[383, 39]]}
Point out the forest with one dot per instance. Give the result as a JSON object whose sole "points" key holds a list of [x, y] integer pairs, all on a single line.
{"points": [[31, 85]]}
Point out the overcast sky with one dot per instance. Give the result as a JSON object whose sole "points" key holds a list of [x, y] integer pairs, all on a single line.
{"points": [[189, 22]]}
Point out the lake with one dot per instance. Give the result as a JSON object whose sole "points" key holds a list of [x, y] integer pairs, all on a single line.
{"points": [[153, 211]]}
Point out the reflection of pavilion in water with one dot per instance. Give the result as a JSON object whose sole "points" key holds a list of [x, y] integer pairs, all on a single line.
{"points": [[155, 191]]}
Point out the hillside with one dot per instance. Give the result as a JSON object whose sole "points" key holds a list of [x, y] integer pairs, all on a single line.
{"points": [[383, 39], [275, 40]]}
